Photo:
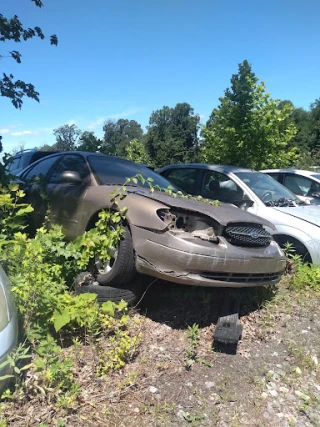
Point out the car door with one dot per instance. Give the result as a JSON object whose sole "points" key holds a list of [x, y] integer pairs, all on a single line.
{"points": [[34, 181], [66, 200]]}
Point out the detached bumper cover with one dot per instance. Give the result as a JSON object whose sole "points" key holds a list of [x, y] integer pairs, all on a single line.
{"points": [[203, 263]]}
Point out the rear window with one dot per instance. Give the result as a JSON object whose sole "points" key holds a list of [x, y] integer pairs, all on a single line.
{"points": [[113, 171], [14, 163], [40, 154]]}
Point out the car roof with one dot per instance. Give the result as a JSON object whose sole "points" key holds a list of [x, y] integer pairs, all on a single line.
{"points": [[83, 153], [220, 168], [294, 171]]}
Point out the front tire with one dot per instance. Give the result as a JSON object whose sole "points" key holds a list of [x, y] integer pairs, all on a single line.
{"points": [[121, 269], [297, 247]]}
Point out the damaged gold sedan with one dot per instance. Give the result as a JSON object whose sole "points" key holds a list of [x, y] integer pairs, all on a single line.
{"points": [[171, 238]]}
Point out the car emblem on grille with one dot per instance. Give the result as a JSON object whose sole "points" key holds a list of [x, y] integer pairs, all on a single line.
{"points": [[255, 235]]}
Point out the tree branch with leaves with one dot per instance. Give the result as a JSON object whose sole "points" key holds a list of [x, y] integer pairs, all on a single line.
{"points": [[11, 29]]}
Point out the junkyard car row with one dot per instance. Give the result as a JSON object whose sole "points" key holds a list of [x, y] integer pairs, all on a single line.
{"points": [[179, 240], [169, 235], [294, 220]]}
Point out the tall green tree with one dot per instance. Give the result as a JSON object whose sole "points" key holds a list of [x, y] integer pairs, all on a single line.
{"points": [[67, 137], [315, 123], [89, 142], [301, 119], [172, 135], [136, 152], [248, 128], [11, 29], [117, 136]]}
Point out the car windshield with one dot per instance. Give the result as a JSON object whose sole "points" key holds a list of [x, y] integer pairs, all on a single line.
{"points": [[316, 175], [266, 188], [113, 171]]}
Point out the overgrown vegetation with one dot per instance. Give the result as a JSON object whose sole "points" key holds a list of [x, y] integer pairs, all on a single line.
{"points": [[42, 270]]}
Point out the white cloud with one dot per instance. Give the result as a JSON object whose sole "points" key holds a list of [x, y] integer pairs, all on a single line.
{"points": [[99, 121], [72, 122], [125, 113], [4, 131], [96, 123], [24, 133]]}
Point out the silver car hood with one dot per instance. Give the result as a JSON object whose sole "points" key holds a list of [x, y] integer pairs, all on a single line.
{"points": [[223, 214], [310, 213]]}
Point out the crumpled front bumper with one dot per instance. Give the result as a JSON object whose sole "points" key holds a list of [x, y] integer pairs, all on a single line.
{"points": [[196, 262]]}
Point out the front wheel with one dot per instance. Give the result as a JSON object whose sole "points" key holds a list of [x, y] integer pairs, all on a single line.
{"points": [[297, 247], [120, 269]]}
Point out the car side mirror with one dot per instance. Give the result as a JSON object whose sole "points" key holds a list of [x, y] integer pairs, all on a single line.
{"points": [[70, 177]]}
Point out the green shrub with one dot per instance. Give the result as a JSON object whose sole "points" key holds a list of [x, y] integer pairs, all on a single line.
{"points": [[307, 276], [42, 271]]}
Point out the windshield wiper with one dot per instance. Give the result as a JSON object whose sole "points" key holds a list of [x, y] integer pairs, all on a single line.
{"points": [[283, 201]]}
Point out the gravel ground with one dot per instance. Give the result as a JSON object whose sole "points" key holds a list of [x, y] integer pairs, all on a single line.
{"points": [[272, 380]]}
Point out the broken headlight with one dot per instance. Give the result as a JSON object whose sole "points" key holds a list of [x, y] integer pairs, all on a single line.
{"points": [[188, 224]]}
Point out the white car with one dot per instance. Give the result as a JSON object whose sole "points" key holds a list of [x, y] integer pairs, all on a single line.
{"points": [[304, 184], [8, 327], [294, 220]]}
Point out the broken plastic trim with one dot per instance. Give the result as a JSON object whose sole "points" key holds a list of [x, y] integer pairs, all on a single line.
{"points": [[188, 224]]}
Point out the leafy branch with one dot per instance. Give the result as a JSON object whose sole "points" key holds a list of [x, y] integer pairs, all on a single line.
{"points": [[11, 29]]}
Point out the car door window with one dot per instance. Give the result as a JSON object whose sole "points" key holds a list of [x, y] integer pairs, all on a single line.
{"points": [[218, 186], [299, 185], [40, 169], [315, 188], [275, 176], [14, 163], [70, 162], [184, 178]]}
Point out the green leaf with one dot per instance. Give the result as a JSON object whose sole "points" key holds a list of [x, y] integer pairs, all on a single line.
{"points": [[24, 211], [13, 186], [5, 377], [60, 319], [122, 305], [3, 364], [108, 308]]}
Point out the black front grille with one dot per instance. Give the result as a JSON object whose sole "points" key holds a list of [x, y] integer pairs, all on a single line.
{"points": [[247, 235], [243, 277]]}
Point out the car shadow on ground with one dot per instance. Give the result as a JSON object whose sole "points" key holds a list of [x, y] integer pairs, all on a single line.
{"points": [[180, 306]]}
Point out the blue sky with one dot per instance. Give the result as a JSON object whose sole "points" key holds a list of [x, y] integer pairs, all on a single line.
{"points": [[127, 58]]}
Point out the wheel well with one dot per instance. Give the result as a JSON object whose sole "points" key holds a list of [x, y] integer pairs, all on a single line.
{"points": [[92, 221], [298, 246]]}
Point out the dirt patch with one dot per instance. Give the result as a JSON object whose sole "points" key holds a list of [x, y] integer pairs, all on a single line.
{"points": [[273, 380]]}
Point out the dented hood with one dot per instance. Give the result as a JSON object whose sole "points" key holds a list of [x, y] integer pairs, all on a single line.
{"points": [[223, 214]]}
